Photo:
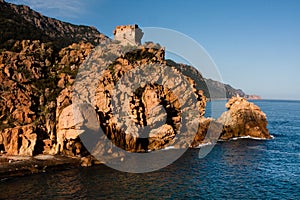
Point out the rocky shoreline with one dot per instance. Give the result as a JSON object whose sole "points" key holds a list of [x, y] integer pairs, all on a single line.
{"points": [[39, 119], [14, 166], [18, 166], [49, 119], [243, 120]]}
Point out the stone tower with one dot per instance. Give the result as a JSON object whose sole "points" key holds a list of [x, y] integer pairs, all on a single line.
{"points": [[128, 34]]}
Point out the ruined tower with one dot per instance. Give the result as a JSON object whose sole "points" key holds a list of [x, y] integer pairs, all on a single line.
{"points": [[128, 34]]}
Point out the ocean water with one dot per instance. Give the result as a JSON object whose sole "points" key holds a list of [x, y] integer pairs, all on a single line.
{"points": [[239, 169]]}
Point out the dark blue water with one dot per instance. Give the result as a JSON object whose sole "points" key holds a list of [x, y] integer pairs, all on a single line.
{"points": [[241, 169]]}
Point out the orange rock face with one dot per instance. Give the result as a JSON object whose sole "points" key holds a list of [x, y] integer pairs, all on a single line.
{"points": [[243, 119], [32, 75], [19, 140], [154, 109]]}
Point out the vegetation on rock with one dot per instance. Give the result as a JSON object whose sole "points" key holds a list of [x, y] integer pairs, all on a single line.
{"points": [[19, 22]]}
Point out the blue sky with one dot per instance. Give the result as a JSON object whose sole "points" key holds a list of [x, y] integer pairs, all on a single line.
{"points": [[255, 44]]}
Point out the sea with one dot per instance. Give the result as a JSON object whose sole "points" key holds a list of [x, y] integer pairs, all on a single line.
{"points": [[238, 169]]}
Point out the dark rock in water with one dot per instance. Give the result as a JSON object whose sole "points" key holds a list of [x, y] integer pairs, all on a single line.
{"points": [[243, 119]]}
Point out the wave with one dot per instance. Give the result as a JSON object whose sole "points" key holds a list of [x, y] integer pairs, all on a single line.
{"points": [[197, 147], [247, 137], [220, 140], [283, 152], [262, 148], [203, 145], [168, 148]]}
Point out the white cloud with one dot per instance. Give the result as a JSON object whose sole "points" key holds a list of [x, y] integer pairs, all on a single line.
{"points": [[55, 8]]}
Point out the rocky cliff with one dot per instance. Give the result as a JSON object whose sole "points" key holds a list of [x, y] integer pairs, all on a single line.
{"points": [[36, 95], [32, 76], [145, 103]]}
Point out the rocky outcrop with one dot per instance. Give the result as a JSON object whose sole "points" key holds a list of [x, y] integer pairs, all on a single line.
{"points": [[21, 75], [150, 104], [32, 76], [243, 119], [20, 140], [73, 121], [208, 132]]}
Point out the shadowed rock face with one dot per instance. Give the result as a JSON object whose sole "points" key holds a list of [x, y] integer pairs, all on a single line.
{"points": [[19, 22], [212, 89]]}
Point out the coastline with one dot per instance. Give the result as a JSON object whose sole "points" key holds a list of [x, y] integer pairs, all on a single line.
{"points": [[16, 166]]}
